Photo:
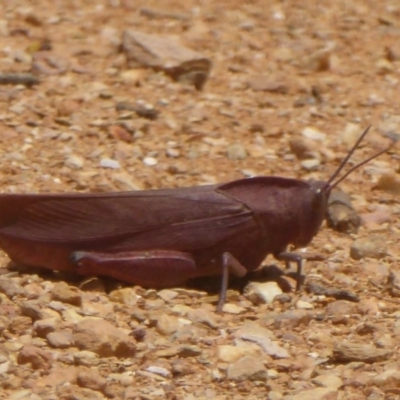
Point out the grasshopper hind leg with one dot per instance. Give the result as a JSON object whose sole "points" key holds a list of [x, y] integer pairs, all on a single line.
{"points": [[155, 268]]}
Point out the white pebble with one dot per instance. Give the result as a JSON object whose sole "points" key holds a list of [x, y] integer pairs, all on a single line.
{"points": [[154, 369], [313, 133], [109, 163], [150, 161], [310, 165]]}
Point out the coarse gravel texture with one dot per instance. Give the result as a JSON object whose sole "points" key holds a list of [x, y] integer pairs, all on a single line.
{"points": [[291, 87]]}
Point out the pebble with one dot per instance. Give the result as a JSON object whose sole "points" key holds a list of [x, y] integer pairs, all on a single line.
{"points": [[236, 152], [314, 394], [20, 325], [126, 296], [150, 161], [262, 292], [330, 381], [303, 149], [231, 308], [107, 341], [9, 288], [292, 319], [154, 369], [231, 354], [350, 134], [66, 294], [109, 163], [389, 183], [372, 246], [384, 66], [37, 357], [167, 295], [203, 316], [311, 164], [304, 305], [254, 333], [86, 358], [91, 379], [389, 378], [132, 76], [167, 324], [189, 351], [60, 340], [266, 84], [75, 161], [247, 369], [313, 133]]}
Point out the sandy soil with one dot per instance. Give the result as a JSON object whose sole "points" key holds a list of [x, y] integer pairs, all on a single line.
{"points": [[291, 87]]}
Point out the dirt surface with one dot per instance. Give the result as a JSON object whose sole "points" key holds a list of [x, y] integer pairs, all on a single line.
{"points": [[291, 87]]}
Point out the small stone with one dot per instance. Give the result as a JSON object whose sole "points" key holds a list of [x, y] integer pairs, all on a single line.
{"points": [[167, 295], [292, 319], [313, 134], [318, 61], [9, 288], [231, 308], [154, 369], [38, 358], [173, 153], [304, 305], [86, 358], [109, 163], [266, 84], [273, 395], [377, 218], [202, 316], [372, 246], [35, 310], [91, 379], [368, 306], [230, 354], [247, 369], [330, 381], [384, 66], [236, 152], [120, 133], [126, 296], [252, 332], [189, 351], [66, 294], [133, 76], [150, 161], [303, 149], [60, 340], [389, 378], [341, 214], [262, 292], [74, 161], [167, 324], [311, 164], [102, 338], [389, 183], [350, 134], [167, 53], [340, 308], [20, 325], [385, 341], [349, 352], [315, 394]]}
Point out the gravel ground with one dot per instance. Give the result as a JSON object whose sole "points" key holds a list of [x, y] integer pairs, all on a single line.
{"points": [[128, 95]]}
